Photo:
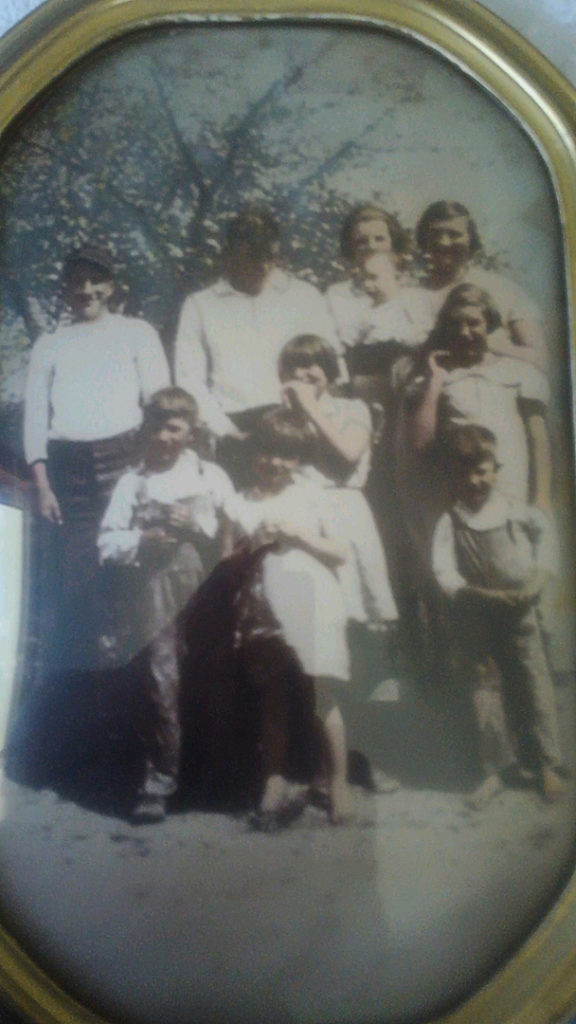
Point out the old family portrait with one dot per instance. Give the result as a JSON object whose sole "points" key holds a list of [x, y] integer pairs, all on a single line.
{"points": [[283, 378]]}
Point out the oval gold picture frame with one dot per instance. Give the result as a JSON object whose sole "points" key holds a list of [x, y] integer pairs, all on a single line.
{"points": [[538, 984]]}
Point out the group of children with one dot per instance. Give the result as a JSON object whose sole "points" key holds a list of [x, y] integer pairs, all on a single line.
{"points": [[174, 514], [473, 388]]}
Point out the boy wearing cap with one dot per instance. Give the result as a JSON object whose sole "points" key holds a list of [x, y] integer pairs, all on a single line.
{"points": [[87, 382]]}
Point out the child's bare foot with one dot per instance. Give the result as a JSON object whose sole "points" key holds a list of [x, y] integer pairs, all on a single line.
{"points": [[340, 803], [275, 793], [384, 783], [280, 805], [551, 785], [484, 793]]}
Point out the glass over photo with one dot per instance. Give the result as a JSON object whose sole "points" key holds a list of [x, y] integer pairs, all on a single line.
{"points": [[286, 459]]}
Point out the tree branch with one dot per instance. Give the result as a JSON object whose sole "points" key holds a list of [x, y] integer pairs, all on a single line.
{"points": [[344, 152], [136, 208], [262, 106], [182, 146], [20, 302]]}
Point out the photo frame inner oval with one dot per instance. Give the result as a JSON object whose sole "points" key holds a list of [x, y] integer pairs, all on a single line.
{"points": [[287, 477]]}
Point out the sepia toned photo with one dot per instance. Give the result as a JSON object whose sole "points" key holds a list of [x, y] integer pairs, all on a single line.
{"points": [[286, 469]]}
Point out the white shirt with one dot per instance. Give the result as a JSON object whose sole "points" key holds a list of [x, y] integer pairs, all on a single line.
{"points": [[401, 319], [350, 307], [189, 477], [228, 343], [509, 298], [497, 512], [358, 320], [88, 381], [488, 394]]}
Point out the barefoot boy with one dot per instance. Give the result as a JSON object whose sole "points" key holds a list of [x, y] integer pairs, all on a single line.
{"points": [[164, 519], [492, 557]]}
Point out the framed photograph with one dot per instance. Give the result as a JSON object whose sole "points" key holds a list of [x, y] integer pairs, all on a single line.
{"points": [[287, 702]]}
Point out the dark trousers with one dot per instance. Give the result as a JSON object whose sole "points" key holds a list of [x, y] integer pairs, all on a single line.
{"points": [[521, 702], [165, 590], [82, 475], [158, 714]]}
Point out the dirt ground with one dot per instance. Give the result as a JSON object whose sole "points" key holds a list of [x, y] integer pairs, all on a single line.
{"points": [[391, 918]]}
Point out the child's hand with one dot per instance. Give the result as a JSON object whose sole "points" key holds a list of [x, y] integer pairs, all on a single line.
{"points": [[265, 534], [286, 533], [156, 538], [298, 394], [48, 505], [273, 531], [436, 365], [236, 434], [178, 517], [186, 516], [507, 598]]}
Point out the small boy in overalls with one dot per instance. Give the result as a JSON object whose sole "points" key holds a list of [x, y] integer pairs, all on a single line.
{"points": [[492, 557]]}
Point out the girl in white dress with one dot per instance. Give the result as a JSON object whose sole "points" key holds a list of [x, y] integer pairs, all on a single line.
{"points": [[298, 583], [343, 428]]}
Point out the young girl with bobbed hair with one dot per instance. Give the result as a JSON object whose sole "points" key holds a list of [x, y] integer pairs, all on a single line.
{"points": [[465, 382], [343, 430], [294, 597], [446, 210]]}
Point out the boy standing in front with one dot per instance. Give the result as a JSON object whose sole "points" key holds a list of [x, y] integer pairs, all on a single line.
{"points": [[164, 520], [492, 557]]}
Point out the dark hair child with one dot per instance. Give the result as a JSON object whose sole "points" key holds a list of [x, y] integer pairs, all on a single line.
{"points": [[164, 521], [342, 428], [492, 556], [297, 587]]}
